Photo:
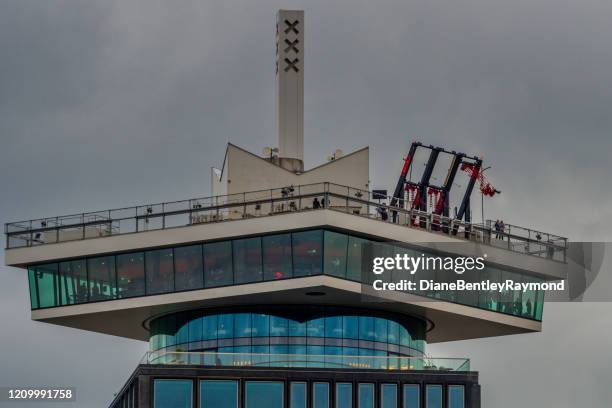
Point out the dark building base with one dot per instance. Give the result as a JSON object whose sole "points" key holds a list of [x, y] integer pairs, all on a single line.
{"points": [[139, 390]]}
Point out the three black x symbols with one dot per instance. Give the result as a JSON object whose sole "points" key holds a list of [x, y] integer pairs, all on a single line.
{"points": [[291, 26]]}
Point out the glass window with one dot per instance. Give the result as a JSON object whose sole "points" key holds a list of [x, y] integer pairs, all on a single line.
{"points": [[297, 329], [159, 266], [307, 253], [267, 394], [188, 267], [489, 299], [393, 332], [102, 278], [218, 264], [195, 329], [242, 325], [298, 395], [182, 334], [247, 260], [73, 282], [316, 327], [209, 327], [333, 327], [388, 396], [529, 298], [277, 257], [320, 395], [366, 395], [33, 288], [344, 395], [260, 325], [172, 394], [366, 328], [225, 328], [46, 285], [335, 253], [433, 396], [355, 248], [380, 329], [350, 327], [411, 396], [218, 394], [278, 326], [130, 275], [456, 396]]}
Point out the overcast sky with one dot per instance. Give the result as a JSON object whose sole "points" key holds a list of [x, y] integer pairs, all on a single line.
{"points": [[108, 104]]}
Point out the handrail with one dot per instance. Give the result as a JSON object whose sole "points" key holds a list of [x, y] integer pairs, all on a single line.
{"points": [[276, 201], [221, 359]]}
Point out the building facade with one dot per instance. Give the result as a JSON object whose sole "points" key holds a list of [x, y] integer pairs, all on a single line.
{"points": [[254, 296]]}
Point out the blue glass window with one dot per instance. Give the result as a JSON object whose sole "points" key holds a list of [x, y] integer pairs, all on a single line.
{"points": [[307, 253], [242, 325], [267, 394], [412, 396], [247, 260], [350, 325], [366, 395], [316, 327], [182, 334], [393, 332], [209, 327], [277, 257], [366, 328], [188, 267], [297, 329], [433, 396], [344, 395], [456, 396], [333, 327], [195, 329], [173, 394], [388, 396], [218, 264], [225, 326], [298, 395], [261, 325], [320, 395], [380, 329], [218, 394], [278, 326]]}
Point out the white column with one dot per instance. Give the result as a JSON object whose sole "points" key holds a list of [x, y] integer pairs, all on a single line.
{"points": [[290, 83]]}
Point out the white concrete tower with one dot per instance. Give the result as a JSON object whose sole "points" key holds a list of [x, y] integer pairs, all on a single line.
{"points": [[290, 88]]}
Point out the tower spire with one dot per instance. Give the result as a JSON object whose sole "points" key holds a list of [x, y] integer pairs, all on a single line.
{"points": [[290, 88]]}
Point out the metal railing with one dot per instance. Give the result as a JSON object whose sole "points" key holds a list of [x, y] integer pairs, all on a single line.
{"points": [[269, 203], [216, 359]]}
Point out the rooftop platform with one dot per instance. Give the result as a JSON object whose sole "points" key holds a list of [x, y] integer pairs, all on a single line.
{"points": [[36, 240]]}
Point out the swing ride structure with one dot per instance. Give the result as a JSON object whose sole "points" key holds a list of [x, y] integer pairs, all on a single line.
{"points": [[419, 195]]}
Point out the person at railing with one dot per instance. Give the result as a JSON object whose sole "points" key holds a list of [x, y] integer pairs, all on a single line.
{"points": [[316, 204], [502, 228], [383, 213], [497, 229]]}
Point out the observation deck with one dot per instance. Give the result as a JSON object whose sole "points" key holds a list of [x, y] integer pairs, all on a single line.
{"points": [[111, 271]]}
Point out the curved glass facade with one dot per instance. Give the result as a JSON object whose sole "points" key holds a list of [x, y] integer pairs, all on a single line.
{"points": [[247, 260], [311, 332]]}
